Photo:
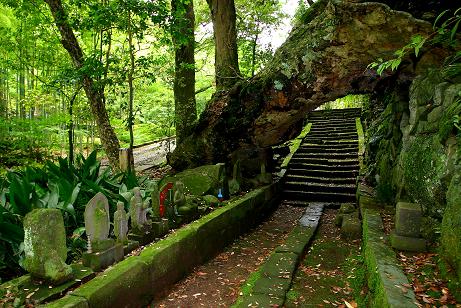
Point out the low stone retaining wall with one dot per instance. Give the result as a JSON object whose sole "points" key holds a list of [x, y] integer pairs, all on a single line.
{"points": [[136, 280], [386, 279]]}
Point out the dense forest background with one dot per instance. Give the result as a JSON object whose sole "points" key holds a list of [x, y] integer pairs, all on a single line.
{"points": [[42, 98]]}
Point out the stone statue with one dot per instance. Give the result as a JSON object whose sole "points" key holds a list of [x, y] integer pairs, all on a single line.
{"points": [[178, 197], [138, 211], [121, 224], [97, 222], [155, 197], [234, 184], [45, 246]]}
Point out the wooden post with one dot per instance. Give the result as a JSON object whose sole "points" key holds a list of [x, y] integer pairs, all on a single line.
{"points": [[126, 159]]}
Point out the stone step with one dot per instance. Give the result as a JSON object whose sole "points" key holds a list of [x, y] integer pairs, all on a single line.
{"points": [[319, 187], [319, 196], [328, 148], [330, 125], [338, 135], [317, 138], [320, 148], [316, 179], [299, 164], [334, 112], [330, 142], [328, 131], [325, 161], [324, 173], [335, 120], [326, 155]]}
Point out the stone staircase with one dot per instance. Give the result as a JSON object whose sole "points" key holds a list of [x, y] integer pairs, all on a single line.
{"points": [[325, 167]]}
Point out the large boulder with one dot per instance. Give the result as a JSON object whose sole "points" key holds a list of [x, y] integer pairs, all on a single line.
{"points": [[324, 58], [203, 180]]}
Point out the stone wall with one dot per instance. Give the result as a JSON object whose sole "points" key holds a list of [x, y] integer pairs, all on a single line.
{"points": [[414, 152]]}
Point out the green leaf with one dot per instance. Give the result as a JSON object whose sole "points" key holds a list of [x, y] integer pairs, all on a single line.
{"points": [[454, 30], [395, 64]]}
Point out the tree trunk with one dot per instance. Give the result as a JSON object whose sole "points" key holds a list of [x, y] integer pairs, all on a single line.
{"points": [[130, 82], [225, 35], [95, 97], [324, 58], [184, 79]]}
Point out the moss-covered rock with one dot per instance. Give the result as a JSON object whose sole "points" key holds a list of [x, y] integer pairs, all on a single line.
{"points": [[200, 181], [45, 246], [424, 163], [451, 224]]}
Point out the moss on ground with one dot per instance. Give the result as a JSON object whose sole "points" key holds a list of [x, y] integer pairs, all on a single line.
{"points": [[324, 277]]}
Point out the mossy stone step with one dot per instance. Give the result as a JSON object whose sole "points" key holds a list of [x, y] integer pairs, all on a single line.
{"points": [[327, 152], [323, 173], [314, 179], [327, 161], [333, 135], [280, 265], [261, 300], [272, 286], [332, 197], [305, 163], [328, 187]]}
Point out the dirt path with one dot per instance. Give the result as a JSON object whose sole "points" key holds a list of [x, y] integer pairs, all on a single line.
{"points": [[149, 155], [331, 274], [217, 283]]}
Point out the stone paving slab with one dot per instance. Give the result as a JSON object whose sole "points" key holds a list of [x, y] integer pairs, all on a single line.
{"points": [[277, 272]]}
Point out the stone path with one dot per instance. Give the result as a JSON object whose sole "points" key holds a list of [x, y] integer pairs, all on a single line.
{"points": [[326, 164], [150, 154]]}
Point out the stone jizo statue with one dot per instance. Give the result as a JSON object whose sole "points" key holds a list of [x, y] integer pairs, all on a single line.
{"points": [[121, 224]]}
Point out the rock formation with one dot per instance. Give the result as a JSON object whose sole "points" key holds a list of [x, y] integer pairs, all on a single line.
{"points": [[324, 58]]}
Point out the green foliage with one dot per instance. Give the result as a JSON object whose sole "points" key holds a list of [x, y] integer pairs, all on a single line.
{"points": [[444, 34], [348, 101], [253, 19], [61, 185]]}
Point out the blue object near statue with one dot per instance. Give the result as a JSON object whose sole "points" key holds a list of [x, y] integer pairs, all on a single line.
{"points": [[220, 196]]}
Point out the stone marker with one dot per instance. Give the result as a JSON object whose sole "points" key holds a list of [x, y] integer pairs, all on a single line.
{"points": [[97, 223], [408, 219], [102, 250], [126, 159], [155, 199], [45, 246], [184, 206], [407, 234], [234, 183], [159, 225], [121, 224], [138, 212]]}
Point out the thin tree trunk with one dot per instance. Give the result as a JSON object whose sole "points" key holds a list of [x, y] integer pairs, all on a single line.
{"points": [[225, 35], [184, 79], [95, 97], [130, 82], [253, 55]]}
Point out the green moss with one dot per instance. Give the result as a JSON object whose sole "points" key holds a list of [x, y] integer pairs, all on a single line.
{"points": [[451, 224], [424, 162], [127, 284], [446, 124], [292, 295]]}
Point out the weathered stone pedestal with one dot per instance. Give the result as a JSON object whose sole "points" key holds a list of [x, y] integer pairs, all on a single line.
{"points": [[130, 246], [160, 228], [99, 259], [406, 235]]}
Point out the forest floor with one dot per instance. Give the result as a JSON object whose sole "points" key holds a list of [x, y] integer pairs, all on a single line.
{"points": [[217, 283]]}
